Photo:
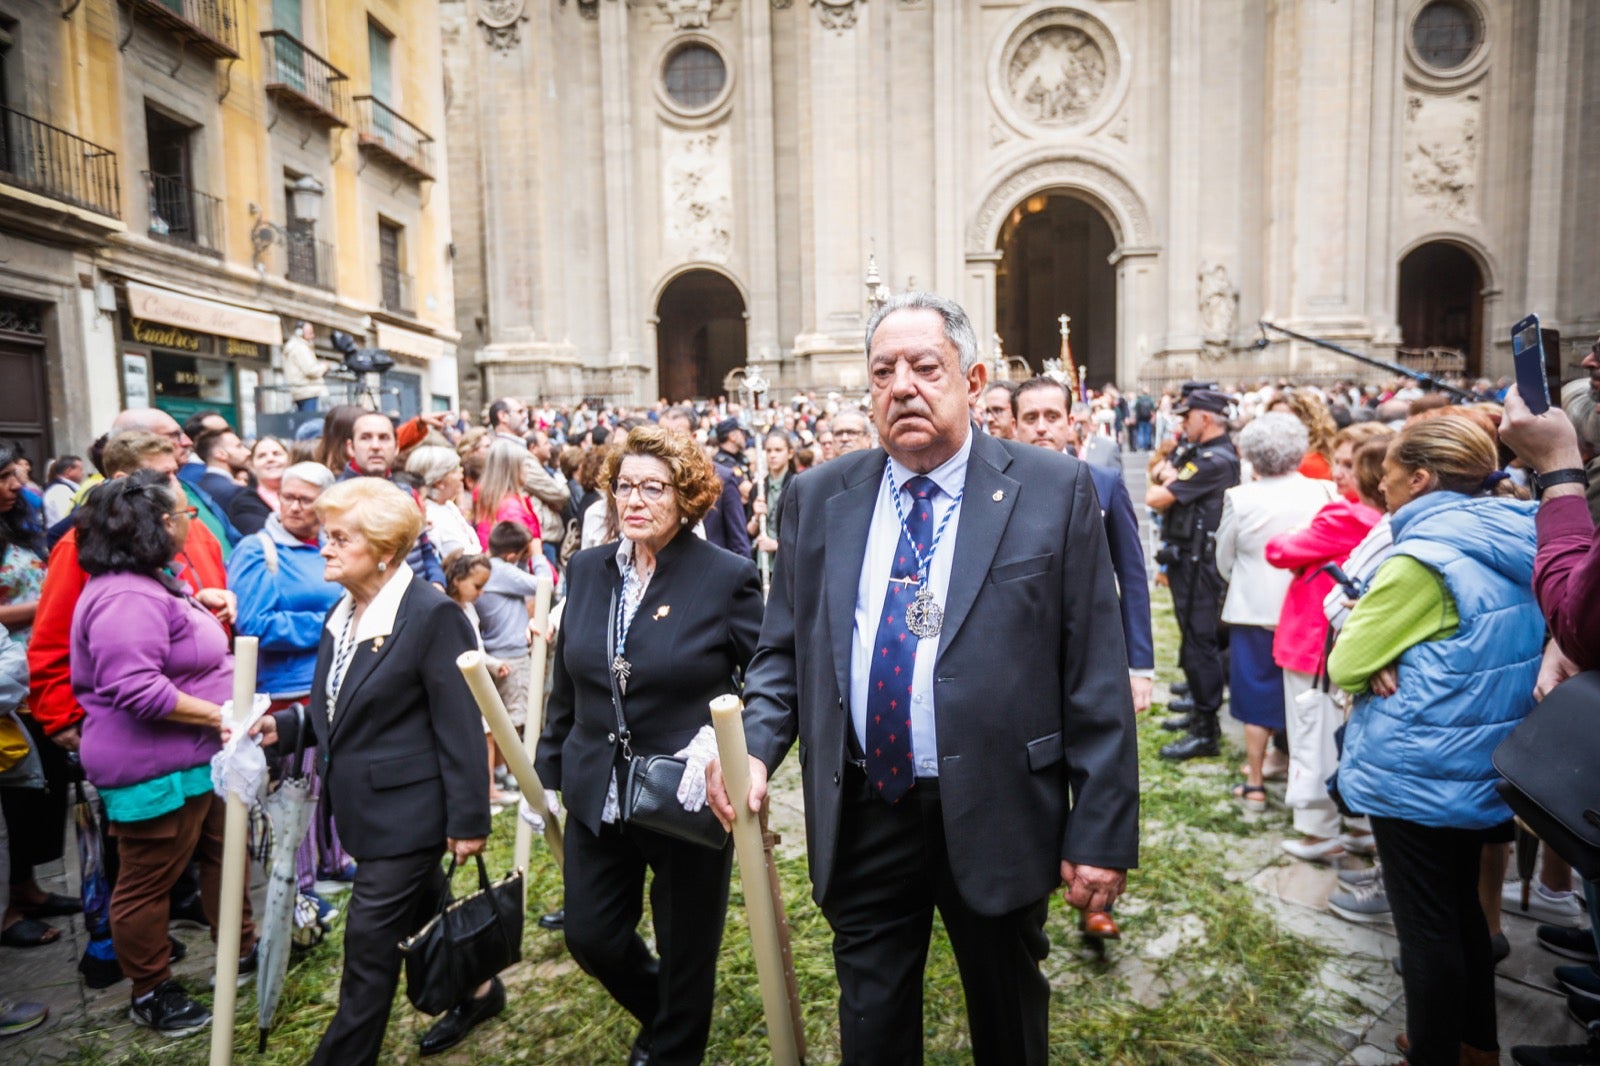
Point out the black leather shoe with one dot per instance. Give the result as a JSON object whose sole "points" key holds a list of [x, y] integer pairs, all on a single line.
{"points": [[554, 921], [1194, 746], [1181, 724], [1179, 688], [639, 1054], [1181, 706], [459, 1020]]}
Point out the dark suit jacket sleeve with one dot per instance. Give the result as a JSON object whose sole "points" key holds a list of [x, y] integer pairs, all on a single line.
{"points": [[1127, 558], [729, 521], [1097, 707], [457, 727], [770, 716], [558, 711]]}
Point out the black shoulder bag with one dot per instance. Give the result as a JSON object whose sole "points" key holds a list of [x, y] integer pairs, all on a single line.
{"points": [[467, 942], [649, 796], [1551, 769]]}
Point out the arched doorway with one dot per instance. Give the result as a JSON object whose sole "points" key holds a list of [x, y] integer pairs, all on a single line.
{"points": [[700, 334], [1441, 301], [1055, 259]]}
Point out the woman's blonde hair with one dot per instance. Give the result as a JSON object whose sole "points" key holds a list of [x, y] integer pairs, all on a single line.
{"points": [[381, 512], [1358, 433], [694, 480], [502, 477], [1455, 449], [1319, 423]]}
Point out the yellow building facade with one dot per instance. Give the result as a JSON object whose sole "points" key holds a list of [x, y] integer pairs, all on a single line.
{"points": [[184, 183]]}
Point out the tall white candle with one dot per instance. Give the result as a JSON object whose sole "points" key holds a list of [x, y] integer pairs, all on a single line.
{"points": [[531, 731], [230, 905], [475, 669]]}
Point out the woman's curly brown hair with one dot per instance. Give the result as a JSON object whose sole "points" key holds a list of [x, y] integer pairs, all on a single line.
{"points": [[694, 479], [1311, 411]]}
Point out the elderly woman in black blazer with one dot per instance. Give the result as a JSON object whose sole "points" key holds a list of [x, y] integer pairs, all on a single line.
{"points": [[684, 615], [401, 756]]}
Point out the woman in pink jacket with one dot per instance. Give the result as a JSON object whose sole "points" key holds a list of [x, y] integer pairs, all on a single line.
{"points": [[500, 496], [1299, 648]]}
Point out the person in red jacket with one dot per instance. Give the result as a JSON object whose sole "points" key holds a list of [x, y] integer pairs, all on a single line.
{"points": [[50, 677]]}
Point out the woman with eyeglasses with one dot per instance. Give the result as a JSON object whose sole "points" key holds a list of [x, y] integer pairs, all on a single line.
{"points": [[151, 669], [671, 620]]}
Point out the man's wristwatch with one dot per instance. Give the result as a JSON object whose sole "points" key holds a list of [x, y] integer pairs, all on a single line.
{"points": [[1571, 475]]}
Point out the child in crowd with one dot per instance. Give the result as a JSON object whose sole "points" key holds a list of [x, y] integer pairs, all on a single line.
{"points": [[465, 575], [506, 609]]}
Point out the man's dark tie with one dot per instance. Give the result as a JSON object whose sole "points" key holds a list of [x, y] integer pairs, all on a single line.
{"points": [[888, 732]]}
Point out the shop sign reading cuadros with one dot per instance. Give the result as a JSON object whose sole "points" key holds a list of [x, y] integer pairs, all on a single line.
{"points": [[163, 336]]}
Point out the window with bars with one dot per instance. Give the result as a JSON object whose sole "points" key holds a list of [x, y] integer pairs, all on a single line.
{"points": [[1446, 33], [695, 76]]}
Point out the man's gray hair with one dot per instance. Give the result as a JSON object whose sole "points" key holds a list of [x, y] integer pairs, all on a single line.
{"points": [[314, 474], [957, 326], [1274, 444]]}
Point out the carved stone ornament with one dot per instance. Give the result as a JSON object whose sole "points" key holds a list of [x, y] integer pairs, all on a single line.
{"points": [[589, 9], [697, 190], [1442, 144], [1056, 76], [500, 21], [1219, 309], [837, 15], [782, 5], [688, 14]]}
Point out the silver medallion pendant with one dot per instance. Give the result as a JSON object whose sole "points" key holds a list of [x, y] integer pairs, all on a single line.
{"points": [[924, 618], [621, 667]]}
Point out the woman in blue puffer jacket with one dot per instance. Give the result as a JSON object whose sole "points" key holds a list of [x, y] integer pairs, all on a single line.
{"points": [[1442, 653]]}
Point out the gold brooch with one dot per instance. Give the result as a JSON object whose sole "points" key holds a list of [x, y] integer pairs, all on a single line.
{"points": [[662, 611], [378, 643]]}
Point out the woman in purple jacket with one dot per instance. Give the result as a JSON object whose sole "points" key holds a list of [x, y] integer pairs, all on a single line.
{"points": [[151, 668]]}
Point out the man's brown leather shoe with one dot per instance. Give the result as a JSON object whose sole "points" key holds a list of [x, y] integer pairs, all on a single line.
{"points": [[1099, 925]]}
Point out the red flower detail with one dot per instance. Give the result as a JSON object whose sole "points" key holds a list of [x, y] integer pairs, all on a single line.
{"points": [[908, 723], [893, 704], [880, 686], [877, 718], [901, 638], [878, 752], [908, 755], [924, 516], [894, 769], [896, 669], [883, 651], [891, 738], [888, 619], [880, 786]]}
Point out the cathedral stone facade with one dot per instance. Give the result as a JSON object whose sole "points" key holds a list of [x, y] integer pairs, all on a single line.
{"points": [[649, 195]]}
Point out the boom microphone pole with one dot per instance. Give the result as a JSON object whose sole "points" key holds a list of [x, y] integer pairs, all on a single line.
{"points": [[1426, 380]]}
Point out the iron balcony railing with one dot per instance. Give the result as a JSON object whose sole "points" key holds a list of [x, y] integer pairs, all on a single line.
{"points": [[304, 80], [209, 27], [385, 133], [183, 215], [308, 261], [395, 290], [40, 158]]}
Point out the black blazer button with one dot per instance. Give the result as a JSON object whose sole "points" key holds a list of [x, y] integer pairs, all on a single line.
{"points": [[836, 778], [611, 738]]}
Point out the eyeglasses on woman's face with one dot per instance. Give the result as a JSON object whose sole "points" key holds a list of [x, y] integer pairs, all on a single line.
{"points": [[650, 490], [191, 513]]}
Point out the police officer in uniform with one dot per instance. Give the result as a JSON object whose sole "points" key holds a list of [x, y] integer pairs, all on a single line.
{"points": [[729, 458], [1188, 491]]}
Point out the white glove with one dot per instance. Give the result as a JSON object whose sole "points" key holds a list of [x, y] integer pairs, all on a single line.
{"points": [[697, 755], [525, 811]]}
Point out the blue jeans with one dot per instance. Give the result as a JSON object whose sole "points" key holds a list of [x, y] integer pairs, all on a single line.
{"points": [[1142, 434]]}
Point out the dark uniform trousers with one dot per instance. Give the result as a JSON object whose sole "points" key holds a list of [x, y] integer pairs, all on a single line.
{"points": [[1197, 593], [891, 871], [391, 899], [689, 904]]}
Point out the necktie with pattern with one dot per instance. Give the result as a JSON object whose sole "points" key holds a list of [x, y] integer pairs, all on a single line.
{"points": [[888, 733]]}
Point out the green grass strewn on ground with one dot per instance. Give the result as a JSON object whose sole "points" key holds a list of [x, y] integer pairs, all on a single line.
{"points": [[1204, 973]]}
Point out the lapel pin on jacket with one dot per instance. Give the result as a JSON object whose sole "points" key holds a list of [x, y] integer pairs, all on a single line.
{"points": [[377, 643], [662, 611], [999, 494]]}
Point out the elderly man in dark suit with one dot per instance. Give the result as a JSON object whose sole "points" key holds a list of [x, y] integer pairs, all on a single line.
{"points": [[937, 773]]}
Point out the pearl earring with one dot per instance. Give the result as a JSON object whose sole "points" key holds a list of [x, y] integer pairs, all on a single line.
{"points": [[382, 567]]}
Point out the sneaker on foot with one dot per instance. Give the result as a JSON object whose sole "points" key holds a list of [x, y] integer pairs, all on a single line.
{"points": [[1362, 875], [1543, 905], [169, 1011], [247, 966], [1582, 981], [326, 912], [18, 1016], [1361, 903], [1569, 943]]}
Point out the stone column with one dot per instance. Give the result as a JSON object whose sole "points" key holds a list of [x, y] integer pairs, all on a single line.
{"points": [[1383, 190], [1187, 173], [761, 245], [977, 297], [1551, 91], [948, 168], [1138, 307], [617, 132]]}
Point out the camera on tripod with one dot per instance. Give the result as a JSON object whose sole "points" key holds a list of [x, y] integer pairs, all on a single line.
{"points": [[360, 360]]}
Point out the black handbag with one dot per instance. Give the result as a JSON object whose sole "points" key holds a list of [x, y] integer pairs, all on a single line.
{"points": [[649, 796], [1551, 769], [467, 942]]}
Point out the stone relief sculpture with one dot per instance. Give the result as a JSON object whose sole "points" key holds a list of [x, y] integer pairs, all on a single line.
{"points": [[1219, 309], [500, 22], [1442, 144], [688, 14], [698, 193], [836, 15], [1056, 75]]}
